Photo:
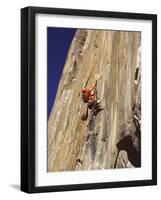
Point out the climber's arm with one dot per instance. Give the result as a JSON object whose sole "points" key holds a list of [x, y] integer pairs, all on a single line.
{"points": [[94, 86]]}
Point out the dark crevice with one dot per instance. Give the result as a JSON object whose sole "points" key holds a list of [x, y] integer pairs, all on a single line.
{"points": [[127, 145]]}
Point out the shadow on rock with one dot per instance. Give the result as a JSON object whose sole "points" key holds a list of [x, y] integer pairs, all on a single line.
{"points": [[126, 143]]}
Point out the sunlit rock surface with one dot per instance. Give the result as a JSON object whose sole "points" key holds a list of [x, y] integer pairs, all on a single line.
{"points": [[114, 59]]}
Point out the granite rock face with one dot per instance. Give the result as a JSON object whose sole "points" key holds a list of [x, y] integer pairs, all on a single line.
{"points": [[112, 140]]}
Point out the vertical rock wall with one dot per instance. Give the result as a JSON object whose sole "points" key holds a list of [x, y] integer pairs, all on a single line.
{"points": [[113, 58]]}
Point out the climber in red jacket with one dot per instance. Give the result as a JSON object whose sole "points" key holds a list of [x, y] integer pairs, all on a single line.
{"points": [[90, 97], [88, 94]]}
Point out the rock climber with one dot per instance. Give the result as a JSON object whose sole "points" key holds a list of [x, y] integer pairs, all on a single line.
{"points": [[89, 96]]}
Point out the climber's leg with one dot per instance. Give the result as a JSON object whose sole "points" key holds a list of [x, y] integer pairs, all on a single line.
{"points": [[85, 114]]}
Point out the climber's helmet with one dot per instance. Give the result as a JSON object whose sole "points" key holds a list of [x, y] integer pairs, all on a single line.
{"points": [[83, 90]]}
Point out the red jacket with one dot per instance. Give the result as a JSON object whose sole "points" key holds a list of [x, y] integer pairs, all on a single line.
{"points": [[86, 94]]}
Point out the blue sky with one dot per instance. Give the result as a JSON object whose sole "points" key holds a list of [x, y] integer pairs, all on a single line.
{"points": [[58, 43]]}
